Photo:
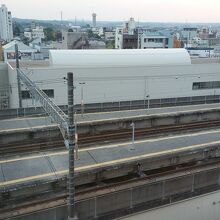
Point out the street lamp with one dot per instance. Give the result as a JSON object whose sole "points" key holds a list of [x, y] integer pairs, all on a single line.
{"points": [[76, 137], [82, 102], [133, 130], [148, 101]]}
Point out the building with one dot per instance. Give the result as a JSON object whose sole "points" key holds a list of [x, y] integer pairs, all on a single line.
{"points": [[42, 49], [95, 44], [25, 52], [4, 82], [6, 30], [130, 26], [28, 34], [109, 35], [110, 76], [126, 36], [36, 32], [154, 40], [94, 15], [99, 31], [74, 40], [201, 52], [187, 34], [130, 41], [119, 38]]}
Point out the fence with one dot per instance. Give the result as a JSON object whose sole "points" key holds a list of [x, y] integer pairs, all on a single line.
{"points": [[118, 106]]}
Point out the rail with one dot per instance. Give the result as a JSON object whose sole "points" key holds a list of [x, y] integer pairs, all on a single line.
{"points": [[85, 140]]}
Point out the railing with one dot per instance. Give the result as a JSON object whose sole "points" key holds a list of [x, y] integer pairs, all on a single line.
{"points": [[118, 106], [57, 115]]}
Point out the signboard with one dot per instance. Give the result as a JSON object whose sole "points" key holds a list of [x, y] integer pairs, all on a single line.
{"points": [[22, 55]]}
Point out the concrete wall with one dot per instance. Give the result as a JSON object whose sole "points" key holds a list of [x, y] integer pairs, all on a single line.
{"points": [[13, 83], [111, 204], [205, 207], [4, 86]]}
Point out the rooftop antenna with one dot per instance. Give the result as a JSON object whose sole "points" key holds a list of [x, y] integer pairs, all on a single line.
{"points": [[75, 20]]}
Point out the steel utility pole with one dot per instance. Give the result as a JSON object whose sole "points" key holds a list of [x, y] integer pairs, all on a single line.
{"points": [[66, 125], [18, 78], [71, 144]]}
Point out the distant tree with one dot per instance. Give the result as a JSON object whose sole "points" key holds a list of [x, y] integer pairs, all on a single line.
{"points": [[49, 34], [25, 40], [110, 45], [91, 35], [58, 36], [70, 30], [17, 29]]}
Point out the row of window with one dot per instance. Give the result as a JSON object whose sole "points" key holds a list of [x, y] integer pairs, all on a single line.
{"points": [[206, 85], [156, 40], [196, 86], [26, 94]]}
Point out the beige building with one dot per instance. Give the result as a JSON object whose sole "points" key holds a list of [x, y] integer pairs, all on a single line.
{"points": [[74, 40]]}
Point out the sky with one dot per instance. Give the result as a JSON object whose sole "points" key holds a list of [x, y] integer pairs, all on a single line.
{"points": [[118, 10]]}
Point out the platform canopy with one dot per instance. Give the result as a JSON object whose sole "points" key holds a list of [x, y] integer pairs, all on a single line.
{"points": [[126, 57]]}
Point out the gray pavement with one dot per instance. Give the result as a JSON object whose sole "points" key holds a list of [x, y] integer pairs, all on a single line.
{"points": [[47, 166], [38, 122]]}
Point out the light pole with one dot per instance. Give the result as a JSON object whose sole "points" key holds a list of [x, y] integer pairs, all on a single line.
{"points": [[76, 136], [148, 102], [82, 101], [133, 130], [18, 78]]}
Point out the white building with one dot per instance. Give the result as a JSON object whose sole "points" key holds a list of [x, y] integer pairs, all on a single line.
{"points": [[201, 52], [127, 29], [153, 40], [98, 31], [25, 52], [94, 15], [119, 38], [109, 35], [28, 34], [37, 32], [6, 31], [107, 76], [187, 34], [130, 26]]}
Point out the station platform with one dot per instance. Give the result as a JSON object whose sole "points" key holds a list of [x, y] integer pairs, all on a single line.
{"points": [[37, 168], [31, 123]]}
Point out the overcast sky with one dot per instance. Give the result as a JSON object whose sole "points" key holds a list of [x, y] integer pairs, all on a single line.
{"points": [[142, 10]]}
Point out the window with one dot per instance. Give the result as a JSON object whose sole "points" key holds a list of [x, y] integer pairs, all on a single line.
{"points": [[26, 94], [159, 40], [206, 85], [49, 93]]}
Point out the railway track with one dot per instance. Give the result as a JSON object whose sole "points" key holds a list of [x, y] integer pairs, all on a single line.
{"points": [[108, 186], [88, 140]]}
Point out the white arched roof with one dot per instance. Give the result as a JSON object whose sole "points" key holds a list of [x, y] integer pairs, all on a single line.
{"points": [[111, 58]]}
